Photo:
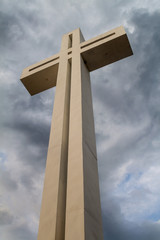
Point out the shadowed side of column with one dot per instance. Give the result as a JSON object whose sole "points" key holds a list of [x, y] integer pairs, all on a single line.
{"points": [[52, 216]]}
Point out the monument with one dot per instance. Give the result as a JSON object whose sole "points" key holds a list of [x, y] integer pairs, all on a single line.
{"points": [[71, 203]]}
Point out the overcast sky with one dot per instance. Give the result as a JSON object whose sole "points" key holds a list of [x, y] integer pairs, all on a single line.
{"points": [[126, 99]]}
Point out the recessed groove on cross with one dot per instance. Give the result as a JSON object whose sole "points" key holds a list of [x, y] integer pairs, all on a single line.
{"points": [[52, 60], [71, 202], [99, 39]]}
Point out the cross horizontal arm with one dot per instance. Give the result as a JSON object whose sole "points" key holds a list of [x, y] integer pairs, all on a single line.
{"points": [[105, 49], [96, 52], [41, 76]]}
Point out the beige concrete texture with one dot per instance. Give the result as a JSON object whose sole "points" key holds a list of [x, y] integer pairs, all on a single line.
{"points": [[52, 216], [41, 76], [106, 48], [83, 218], [96, 52], [71, 200]]}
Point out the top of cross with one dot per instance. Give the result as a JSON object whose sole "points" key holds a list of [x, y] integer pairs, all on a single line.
{"points": [[96, 52]]}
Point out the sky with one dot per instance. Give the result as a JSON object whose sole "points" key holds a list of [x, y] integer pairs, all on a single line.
{"points": [[126, 98]]}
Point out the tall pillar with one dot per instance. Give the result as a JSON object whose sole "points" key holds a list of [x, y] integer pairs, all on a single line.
{"points": [[83, 211], [53, 208]]}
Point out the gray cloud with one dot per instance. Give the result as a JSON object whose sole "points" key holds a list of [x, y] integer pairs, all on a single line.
{"points": [[125, 95], [20, 232], [116, 229], [5, 217], [7, 181]]}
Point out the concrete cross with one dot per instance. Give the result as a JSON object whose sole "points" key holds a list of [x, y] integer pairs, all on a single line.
{"points": [[71, 203]]}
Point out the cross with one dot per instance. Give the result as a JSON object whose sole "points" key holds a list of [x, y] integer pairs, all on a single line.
{"points": [[70, 207]]}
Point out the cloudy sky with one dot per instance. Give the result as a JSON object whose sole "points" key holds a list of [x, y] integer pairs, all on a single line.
{"points": [[126, 99]]}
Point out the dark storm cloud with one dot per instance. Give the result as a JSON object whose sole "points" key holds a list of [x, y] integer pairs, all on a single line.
{"points": [[7, 181], [22, 29], [21, 232], [14, 24], [5, 24], [12, 31], [33, 132], [124, 105], [120, 229], [147, 38], [27, 181], [5, 217]]}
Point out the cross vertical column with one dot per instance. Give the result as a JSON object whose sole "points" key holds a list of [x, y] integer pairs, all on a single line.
{"points": [[83, 211], [52, 215]]}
